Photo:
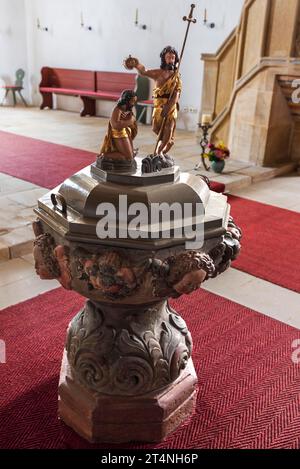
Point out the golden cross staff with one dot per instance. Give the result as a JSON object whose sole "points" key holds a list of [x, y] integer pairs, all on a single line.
{"points": [[190, 20]]}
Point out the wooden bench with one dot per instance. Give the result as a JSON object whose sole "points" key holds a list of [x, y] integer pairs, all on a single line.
{"points": [[88, 85], [108, 86], [66, 82]]}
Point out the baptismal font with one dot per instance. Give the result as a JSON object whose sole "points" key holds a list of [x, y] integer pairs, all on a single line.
{"points": [[127, 239]]}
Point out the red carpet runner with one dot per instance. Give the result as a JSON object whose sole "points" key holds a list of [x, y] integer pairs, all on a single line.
{"points": [[249, 388], [46, 164], [42, 163], [270, 243]]}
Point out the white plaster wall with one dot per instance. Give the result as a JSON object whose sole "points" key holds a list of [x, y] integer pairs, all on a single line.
{"points": [[114, 36], [13, 48]]}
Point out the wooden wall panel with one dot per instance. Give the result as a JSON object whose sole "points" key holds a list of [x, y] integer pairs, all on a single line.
{"points": [[280, 35], [222, 132], [209, 87], [254, 35], [225, 78]]}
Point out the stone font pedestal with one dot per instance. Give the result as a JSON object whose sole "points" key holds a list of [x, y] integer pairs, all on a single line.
{"points": [[102, 418], [126, 372]]}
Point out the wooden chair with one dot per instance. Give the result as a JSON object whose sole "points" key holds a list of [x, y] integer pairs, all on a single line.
{"points": [[16, 88]]}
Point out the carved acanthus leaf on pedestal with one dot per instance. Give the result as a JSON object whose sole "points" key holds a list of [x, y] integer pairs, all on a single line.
{"points": [[124, 361]]}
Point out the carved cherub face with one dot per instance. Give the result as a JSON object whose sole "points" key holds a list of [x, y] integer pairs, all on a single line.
{"points": [[62, 256], [40, 265], [190, 281]]}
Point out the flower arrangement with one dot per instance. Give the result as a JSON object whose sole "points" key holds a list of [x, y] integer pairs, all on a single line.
{"points": [[218, 152]]}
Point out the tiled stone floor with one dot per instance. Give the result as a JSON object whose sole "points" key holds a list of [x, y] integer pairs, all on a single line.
{"points": [[17, 200], [18, 280]]}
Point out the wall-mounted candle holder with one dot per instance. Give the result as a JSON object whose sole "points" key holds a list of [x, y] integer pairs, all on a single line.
{"points": [[136, 21], [205, 21], [87, 28], [41, 28]]}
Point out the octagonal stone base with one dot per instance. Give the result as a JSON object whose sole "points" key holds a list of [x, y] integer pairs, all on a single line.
{"points": [[116, 419]]}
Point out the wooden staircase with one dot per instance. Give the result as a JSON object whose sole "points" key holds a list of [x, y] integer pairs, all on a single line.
{"points": [[247, 86]]}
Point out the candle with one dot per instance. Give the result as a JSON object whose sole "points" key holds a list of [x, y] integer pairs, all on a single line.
{"points": [[206, 119], [205, 15], [136, 16]]}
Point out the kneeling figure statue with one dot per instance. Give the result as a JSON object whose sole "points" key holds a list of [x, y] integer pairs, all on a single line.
{"points": [[122, 130]]}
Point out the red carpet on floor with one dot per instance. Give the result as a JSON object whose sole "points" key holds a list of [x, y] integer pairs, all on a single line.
{"points": [[217, 186], [46, 164], [249, 388], [270, 243], [42, 163]]}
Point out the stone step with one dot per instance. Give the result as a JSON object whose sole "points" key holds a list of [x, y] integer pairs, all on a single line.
{"points": [[17, 200], [16, 243], [238, 175]]}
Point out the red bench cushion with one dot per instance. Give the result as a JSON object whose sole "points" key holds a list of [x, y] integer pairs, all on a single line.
{"points": [[146, 102], [101, 94], [105, 95], [50, 89]]}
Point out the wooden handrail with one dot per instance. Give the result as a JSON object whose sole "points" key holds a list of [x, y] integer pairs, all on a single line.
{"points": [[265, 62]]}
